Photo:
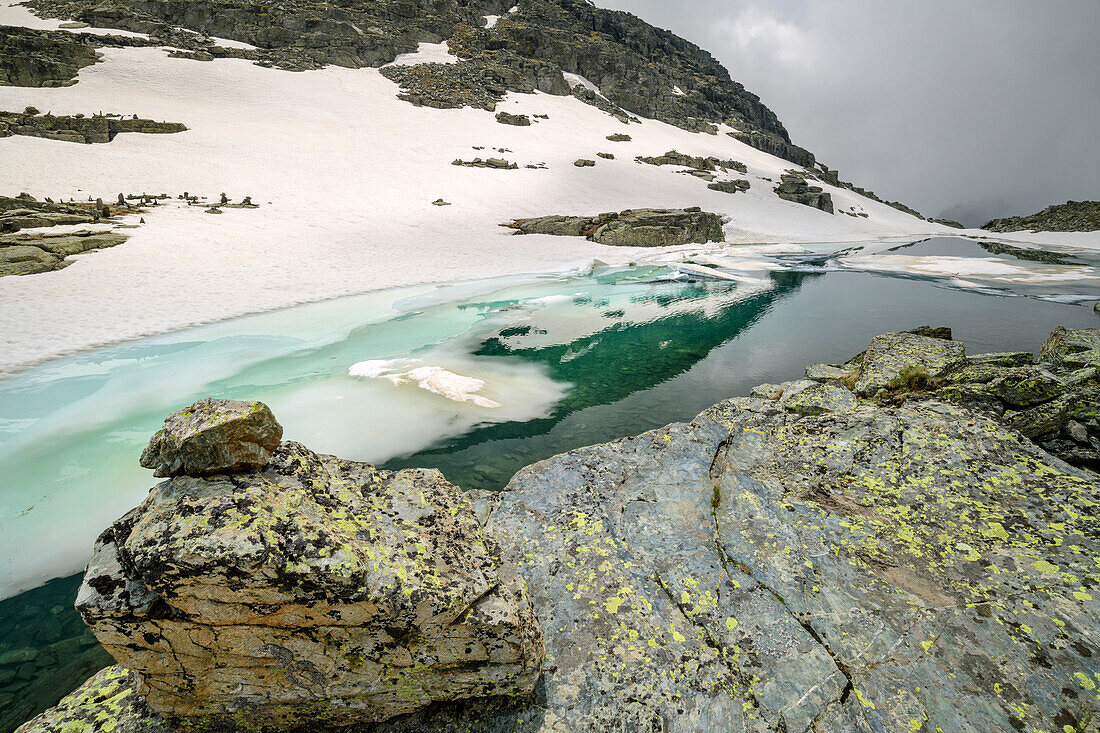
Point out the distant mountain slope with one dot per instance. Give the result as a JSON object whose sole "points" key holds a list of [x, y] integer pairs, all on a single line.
{"points": [[1072, 216], [641, 69]]}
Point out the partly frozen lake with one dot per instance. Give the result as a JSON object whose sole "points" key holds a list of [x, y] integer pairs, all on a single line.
{"points": [[482, 378]]}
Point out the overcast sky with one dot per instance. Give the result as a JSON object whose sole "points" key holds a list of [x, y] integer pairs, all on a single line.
{"points": [[963, 108]]}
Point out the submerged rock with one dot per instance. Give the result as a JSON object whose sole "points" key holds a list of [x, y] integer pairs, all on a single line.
{"points": [[213, 436], [315, 590]]}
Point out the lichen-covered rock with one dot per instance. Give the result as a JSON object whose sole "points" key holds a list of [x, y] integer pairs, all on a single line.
{"points": [[506, 118], [1063, 343], [891, 353], [313, 590], [826, 372], [213, 436], [818, 399]]}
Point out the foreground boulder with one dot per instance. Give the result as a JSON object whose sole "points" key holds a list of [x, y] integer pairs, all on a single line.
{"points": [[892, 353], [314, 590], [213, 436], [632, 228]]}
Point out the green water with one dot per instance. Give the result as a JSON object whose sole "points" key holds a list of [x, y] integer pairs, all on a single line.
{"points": [[569, 360]]}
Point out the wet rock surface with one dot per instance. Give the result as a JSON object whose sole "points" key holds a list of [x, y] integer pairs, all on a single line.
{"points": [[883, 566], [213, 436], [1072, 216], [310, 589], [631, 228]]}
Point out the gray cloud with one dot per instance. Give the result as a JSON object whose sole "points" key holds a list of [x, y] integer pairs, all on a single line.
{"points": [[972, 109]]}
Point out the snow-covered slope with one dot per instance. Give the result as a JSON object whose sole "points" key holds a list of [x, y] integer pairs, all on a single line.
{"points": [[345, 174]]}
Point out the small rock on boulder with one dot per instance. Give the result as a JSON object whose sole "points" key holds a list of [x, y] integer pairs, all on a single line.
{"points": [[1063, 343], [213, 436]]}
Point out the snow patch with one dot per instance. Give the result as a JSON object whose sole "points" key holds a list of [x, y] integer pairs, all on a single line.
{"points": [[426, 53], [575, 79], [491, 20]]}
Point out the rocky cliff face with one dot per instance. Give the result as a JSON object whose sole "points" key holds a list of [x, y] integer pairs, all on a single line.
{"points": [[804, 559], [637, 67]]}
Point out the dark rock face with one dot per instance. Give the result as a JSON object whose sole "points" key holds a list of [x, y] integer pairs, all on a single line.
{"points": [[793, 187], [213, 436], [76, 129], [1072, 216], [635, 65], [948, 223], [632, 228], [33, 58]]}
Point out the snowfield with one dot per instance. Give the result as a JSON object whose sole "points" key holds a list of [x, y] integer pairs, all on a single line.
{"points": [[345, 174]]}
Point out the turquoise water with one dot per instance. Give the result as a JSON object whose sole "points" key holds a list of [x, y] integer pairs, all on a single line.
{"points": [[557, 362]]}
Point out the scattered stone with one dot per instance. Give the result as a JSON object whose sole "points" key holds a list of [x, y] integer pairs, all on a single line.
{"points": [[213, 436], [31, 111], [606, 156], [505, 118], [440, 202], [497, 163], [619, 137], [632, 228], [584, 163], [213, 210]]}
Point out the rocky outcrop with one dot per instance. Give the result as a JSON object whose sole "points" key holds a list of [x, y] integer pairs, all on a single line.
{"points": [[695, 162], [213, 436], [738, 185], [632, 228], [80, 129], [793, 187], [506, 118], [819, 562], [33, 58], [304, 590], [1072, 216], [29, 254]]}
